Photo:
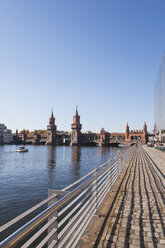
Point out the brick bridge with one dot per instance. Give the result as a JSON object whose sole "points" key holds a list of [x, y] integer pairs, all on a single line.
{"points": [[105, 138]]}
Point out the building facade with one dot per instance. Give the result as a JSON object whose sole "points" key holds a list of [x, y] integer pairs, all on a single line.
{"points": [[6, 136], [160, 98]]}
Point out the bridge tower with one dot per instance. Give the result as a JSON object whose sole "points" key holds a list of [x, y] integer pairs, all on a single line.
{"points": [[24, 136], [127, 132], [145, 138], [51, 128], [76, 130]]}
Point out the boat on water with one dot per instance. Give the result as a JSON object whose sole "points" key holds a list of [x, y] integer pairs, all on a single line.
{"points": [[22, 149], [121, 145]]}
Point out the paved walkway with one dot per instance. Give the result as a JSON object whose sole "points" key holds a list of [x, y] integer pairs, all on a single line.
{"points": [[158, 158], [138, 219]]}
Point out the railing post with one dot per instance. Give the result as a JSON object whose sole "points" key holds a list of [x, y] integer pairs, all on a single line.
{"points": [[55, 214]]}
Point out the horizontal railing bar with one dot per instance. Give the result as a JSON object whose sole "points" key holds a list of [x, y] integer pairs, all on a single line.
{"points": [[75, 216], [36, 235], [88, 218], [103, 181], [73, 210], [92, 212], [90, 173], [105, 175], [71, 203], [52, 245], [114, 163], [101, 189], [29, 211], [46, 239], [76, 224], [114, 178], [100, 200], [114, 173], [108, 168], [114, 168], [81, 179], [101, 193]]}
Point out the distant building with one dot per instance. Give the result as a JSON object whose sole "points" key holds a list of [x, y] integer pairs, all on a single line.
{"points": [[161, 136], [6, 136], [160, 98], [2, 128]]}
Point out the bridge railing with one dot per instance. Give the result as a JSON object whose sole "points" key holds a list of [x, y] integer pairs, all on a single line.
{"points": [[69, 211]]}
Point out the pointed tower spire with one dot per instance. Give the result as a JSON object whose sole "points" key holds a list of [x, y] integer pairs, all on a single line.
{"points": [[127, 131], [76, 110], [52, 113], [145, 127], [52, 119]]}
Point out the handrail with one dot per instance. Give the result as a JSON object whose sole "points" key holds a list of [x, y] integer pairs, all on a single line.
{"points": [[26, 229], [29, 211], [90, 173], [36, 221]]}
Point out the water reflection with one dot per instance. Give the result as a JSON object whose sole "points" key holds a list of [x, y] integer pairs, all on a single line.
{"points": [[103, 150], [76, 158], [51, 157], [51, 162]]}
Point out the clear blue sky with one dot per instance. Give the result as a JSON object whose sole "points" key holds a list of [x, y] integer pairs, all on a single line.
{"points": [[103, 56]]}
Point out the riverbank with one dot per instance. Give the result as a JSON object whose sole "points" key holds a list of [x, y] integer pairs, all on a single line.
{"points": [[134, 215]]}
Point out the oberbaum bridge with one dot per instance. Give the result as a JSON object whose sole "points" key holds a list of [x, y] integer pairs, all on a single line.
{"points": [[120, 203], [52, 137]]}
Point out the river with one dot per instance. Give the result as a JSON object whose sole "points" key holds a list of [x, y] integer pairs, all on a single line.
{"points": [[26, 177]]}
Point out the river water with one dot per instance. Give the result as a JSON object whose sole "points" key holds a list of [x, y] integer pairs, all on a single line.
{"points": [[26, 177]]}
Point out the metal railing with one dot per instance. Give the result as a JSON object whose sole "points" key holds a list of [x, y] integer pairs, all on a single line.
{"points": [[69, 211]]}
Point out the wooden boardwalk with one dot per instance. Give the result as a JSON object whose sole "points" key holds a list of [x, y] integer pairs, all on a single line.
{"points": [[138, 217]]}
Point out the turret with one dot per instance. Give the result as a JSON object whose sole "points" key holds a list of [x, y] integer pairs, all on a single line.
{"points": [[51, 138], [52, 119], [76, 129], [127, 131], [145, 128], [145, 136]]}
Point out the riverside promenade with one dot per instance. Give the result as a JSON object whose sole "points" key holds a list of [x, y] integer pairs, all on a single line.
{"points": [[136, 213]]}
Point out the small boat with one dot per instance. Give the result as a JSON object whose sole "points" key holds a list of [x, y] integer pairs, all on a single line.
{"points": [[22, 149], [121, 145]]}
